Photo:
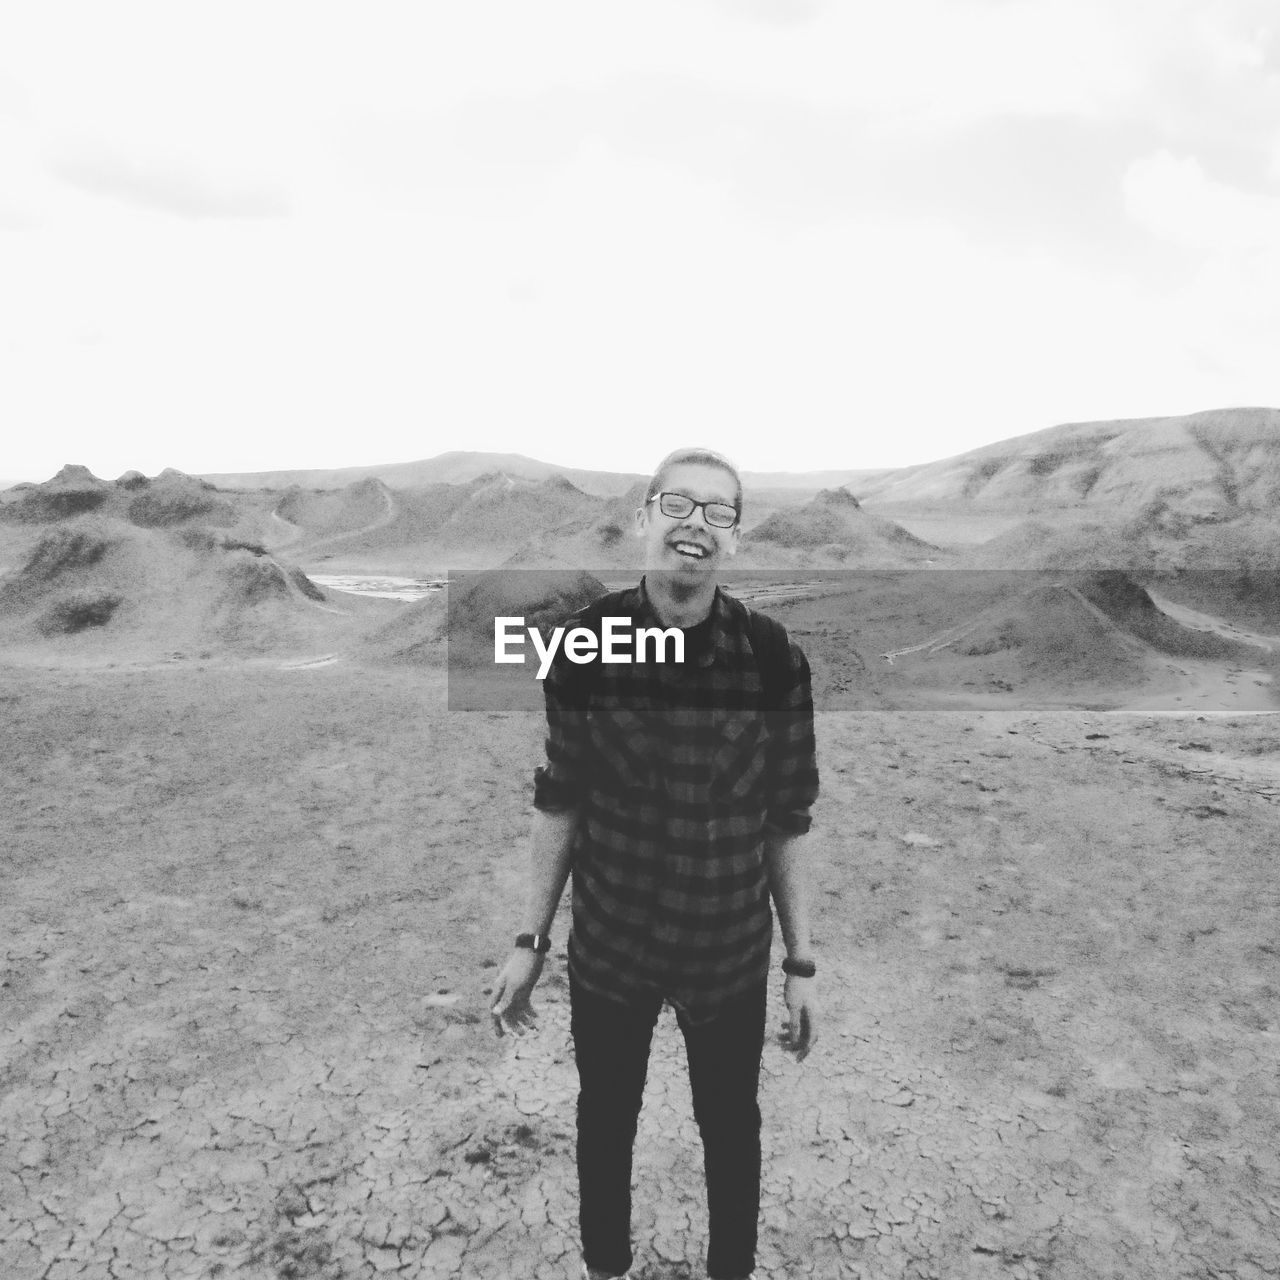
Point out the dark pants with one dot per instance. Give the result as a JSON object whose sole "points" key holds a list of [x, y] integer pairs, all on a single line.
{"points": [[611, 1046]]}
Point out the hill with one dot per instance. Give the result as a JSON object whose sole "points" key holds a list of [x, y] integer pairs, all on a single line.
{"points": [[1210, 466], [762, 482], [168, 500], [456, 467], [833, 529], [1198, 491], [457, 627], [463, 466], [601, 539], [443, 526], [96, 585], [912, 638], [824, 531]]}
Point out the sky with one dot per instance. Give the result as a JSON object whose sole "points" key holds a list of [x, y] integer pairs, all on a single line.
{"points": [[264, 234]]}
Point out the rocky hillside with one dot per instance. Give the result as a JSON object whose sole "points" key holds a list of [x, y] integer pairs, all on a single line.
{"points": [[167, 500], [833, 529], [112, 587], [1209, 466]]}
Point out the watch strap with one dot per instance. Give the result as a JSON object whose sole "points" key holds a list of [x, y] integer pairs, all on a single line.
{"points": [[799, 968], [539, 942]]}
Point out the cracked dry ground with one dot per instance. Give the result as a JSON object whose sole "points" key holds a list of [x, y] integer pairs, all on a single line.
{"points": [[250, 915]]}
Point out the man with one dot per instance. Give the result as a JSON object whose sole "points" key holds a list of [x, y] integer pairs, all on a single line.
{"points": [[676, 794]]}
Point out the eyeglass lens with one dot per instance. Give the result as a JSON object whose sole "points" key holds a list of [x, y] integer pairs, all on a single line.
{"points": [[677, 506]]}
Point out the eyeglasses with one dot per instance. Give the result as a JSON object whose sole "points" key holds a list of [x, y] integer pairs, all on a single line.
{"points": [[719, 514]]}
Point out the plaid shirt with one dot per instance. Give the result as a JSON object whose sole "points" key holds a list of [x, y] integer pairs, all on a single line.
{"points": [[676, 772]]}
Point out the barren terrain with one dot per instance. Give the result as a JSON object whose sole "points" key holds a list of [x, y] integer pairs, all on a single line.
{"points": [[253, 908], [258, 879]]}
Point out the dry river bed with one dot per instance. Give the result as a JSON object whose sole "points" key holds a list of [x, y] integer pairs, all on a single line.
{"points": [[250, 916]]}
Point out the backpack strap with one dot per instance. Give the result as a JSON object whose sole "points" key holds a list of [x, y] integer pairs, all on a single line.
{"points": [[773, 656]]}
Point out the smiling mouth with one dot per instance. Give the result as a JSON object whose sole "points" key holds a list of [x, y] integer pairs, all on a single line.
{"points": [[690, 550]]}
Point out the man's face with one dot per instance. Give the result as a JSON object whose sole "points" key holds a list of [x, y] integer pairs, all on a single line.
{"points": [[688, 544]]}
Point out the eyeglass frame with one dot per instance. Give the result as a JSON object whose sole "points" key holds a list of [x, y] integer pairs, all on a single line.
{"points": [[714, 502]]}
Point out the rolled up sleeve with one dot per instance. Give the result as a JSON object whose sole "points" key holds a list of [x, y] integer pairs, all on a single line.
{"points": [[557, 784], [793, 757]]}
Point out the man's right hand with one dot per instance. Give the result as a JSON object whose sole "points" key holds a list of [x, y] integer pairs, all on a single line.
{"points": [[511, 1009]]}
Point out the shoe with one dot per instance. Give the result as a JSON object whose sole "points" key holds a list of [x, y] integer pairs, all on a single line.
{"points": [[586, 1275]]}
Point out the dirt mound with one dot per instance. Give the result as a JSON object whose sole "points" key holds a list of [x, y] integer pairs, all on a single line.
{"points": [[462, 617], [837, 499], [74, 491], [1062, 634], [1248, 599], [332, 513], [170, 499], [1128, 604], [1048, 633], [603, 540], [174, 499], [153, 590], [834, 529], [259, 602], [74, 476], [544, 598], [502, 511], [416, 636]]}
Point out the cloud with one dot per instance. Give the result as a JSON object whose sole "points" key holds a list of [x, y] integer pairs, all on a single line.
{"points": [[1227, 303], [783, 162], [27, 193], [15, 218], [169, 184], [779, 13], [1174, 198], [550, 227]]}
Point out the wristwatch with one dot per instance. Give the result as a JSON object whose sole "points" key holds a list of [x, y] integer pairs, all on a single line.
{"points": [[799, 968], [539, 942]]}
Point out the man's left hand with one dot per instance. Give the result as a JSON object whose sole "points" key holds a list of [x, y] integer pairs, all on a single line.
{"points": [[800, 1031]]}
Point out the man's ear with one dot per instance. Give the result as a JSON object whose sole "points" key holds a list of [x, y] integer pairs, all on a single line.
{"points": [[642, 521], [735, 536]]}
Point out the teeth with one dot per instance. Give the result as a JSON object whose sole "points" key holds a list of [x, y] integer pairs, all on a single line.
{"points": [[690, 549]]}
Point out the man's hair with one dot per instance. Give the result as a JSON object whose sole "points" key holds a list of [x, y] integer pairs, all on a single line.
{"points": [[696, 457]]}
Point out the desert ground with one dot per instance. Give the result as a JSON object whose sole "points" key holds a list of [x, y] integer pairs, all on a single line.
{"points": [[253, 908], [259, 877]]}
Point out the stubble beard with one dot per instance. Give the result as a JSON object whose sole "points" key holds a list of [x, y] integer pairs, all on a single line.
{"points": [[684, 584], [683, 587]]}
